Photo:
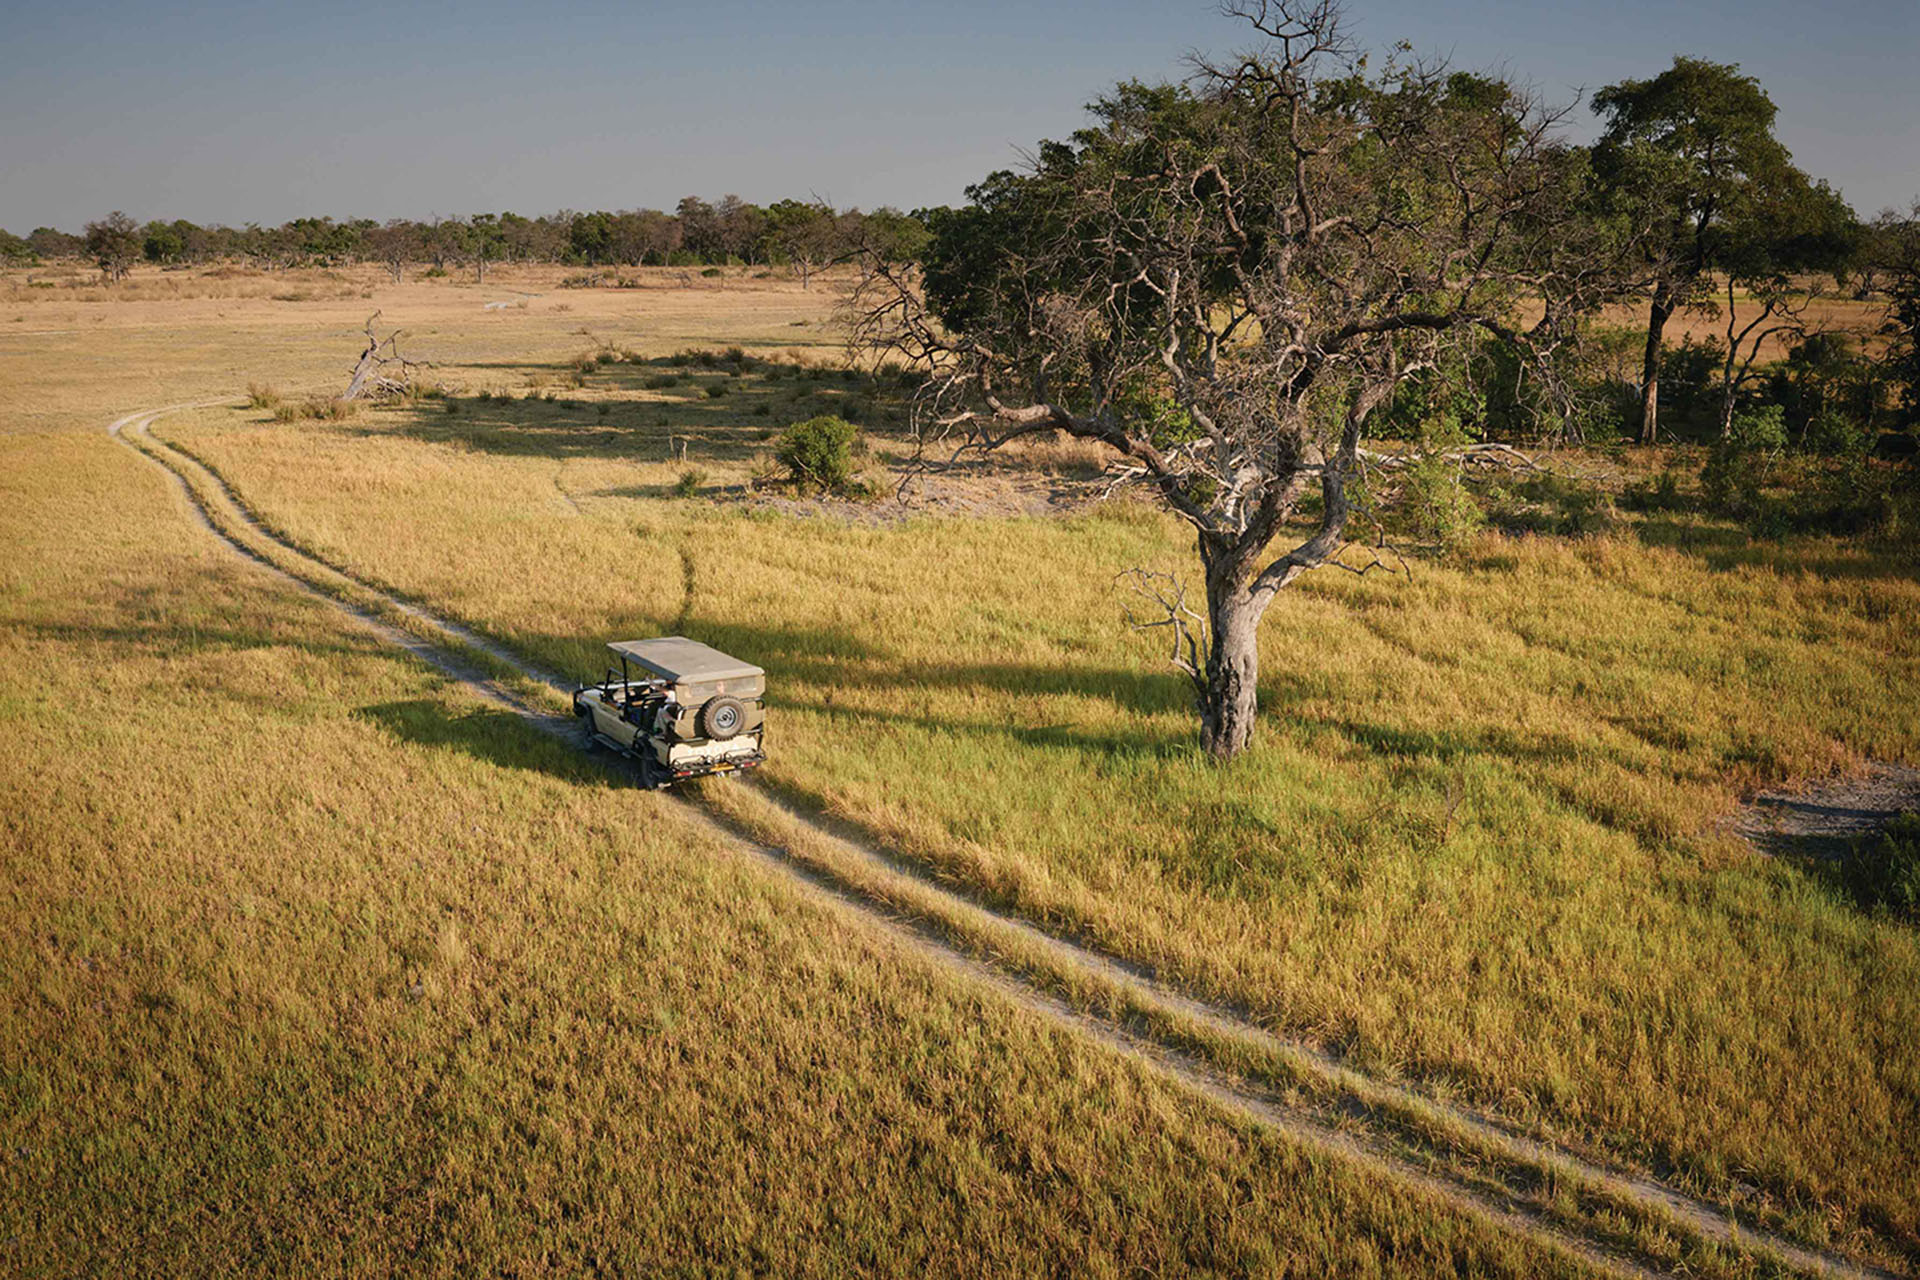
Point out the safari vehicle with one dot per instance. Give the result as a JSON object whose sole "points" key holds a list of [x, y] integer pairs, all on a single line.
{"points": [[679, 707]]}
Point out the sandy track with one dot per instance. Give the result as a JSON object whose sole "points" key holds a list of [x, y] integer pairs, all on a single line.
{"points": [[942, 937]]}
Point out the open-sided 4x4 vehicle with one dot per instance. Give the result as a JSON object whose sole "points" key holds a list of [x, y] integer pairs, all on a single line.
{"points": [[679, 707]]}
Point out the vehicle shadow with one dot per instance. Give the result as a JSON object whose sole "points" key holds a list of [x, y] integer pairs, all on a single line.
{"points": [[490, 734]]}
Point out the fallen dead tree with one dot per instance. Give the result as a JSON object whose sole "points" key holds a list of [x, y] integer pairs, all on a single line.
{"points": [[382, 373]]}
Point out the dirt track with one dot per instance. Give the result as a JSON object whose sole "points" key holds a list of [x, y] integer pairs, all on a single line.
{"points": [[1514, 1193]]}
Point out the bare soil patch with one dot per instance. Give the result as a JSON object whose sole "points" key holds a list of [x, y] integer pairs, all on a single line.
{"points": [[1824, 821]]}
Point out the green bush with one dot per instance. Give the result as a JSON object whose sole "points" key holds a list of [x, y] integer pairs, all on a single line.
{"points": [[689, 482], [818, 453], [716, 391], [1738, 466], [1663, 494], [1836, 435], [1886, 869], [1434, 502]]}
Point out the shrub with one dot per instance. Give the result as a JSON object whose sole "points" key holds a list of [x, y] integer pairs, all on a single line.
{"points": [[1438, 508], [485, 395], [1886, 870], [261, 396], [716, 391], [603, 409], [1434, 503], [1689, 383], [711, 272], [1738, 465], [286, 413], [453, 406], [661, 381], [1663, 494], [689, 482], [818, 453], [434, 273], [1836, 434], [319, 409]]}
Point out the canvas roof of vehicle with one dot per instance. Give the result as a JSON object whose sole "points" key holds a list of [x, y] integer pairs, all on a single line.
{"points": [[678, 658]]}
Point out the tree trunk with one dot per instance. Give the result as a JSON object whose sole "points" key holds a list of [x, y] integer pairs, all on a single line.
{"points": [[1650, 370], [1729, 400], [1230, 696]]}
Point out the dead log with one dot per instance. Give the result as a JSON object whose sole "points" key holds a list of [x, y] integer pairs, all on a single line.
{"points": [[382, 373]]}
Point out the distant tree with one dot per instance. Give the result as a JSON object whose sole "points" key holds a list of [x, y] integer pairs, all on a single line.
{"points": [[531, 239], [442, 241], [897, 236], [160, 242], [1901, 329], [115, 244], [50, 243], [742, 228], [14, 249], [700, 229], [807, 233], [590, 237], [393, 246], [1878, 249], [484, 244], [1222, 284], [628, 241], [659, 236], [1788, 241], [1689, 158]]}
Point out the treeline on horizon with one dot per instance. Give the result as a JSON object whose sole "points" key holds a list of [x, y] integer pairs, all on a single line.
{"points": [[806, 234]]}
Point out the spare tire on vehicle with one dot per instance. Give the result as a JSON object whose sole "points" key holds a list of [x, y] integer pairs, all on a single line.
{"points": [[721, 718]]}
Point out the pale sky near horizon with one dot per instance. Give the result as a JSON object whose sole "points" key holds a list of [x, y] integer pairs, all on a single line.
{"points": [[260, 112]]}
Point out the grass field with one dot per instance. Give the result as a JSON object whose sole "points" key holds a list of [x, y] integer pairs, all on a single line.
{"points": [[1477, 846]]}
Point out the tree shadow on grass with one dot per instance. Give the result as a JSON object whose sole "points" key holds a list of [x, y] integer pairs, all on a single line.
{"points": [[665, 409], [1725, 548]]}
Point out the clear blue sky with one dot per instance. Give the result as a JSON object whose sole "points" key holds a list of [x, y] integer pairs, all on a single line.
{"points": [[237, 112]]}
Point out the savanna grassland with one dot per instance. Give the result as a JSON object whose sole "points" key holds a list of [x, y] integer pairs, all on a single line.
{"points": [[324, 965]]}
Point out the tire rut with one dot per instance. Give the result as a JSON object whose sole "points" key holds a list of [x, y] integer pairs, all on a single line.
{"points": [[959, 920]]}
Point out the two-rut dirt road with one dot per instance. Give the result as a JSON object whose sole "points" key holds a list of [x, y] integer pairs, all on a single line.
{"points": [[1453, 1154]]}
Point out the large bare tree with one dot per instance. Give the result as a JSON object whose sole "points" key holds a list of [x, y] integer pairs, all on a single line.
{"points": [[1224, 282]]}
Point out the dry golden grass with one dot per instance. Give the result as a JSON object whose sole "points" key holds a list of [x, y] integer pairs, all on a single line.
{"points": [[320, 966], [1476, 845]]}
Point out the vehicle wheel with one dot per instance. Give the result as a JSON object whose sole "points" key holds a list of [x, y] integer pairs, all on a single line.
{"points": [[721, 718]]}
